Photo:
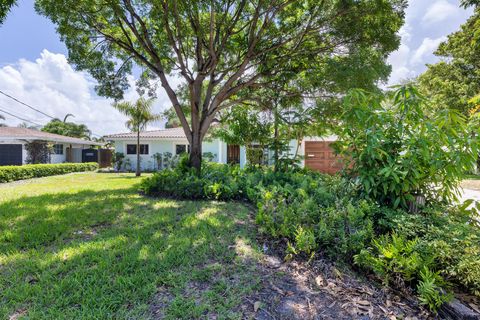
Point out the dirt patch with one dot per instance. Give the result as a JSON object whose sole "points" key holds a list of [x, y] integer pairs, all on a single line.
{"points": [[18, 314], [161, 301], [302, 290], [318, 290]]}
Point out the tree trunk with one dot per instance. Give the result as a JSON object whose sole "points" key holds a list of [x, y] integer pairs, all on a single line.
{"points": [[275, 140], [196, 151], [137, 171]]}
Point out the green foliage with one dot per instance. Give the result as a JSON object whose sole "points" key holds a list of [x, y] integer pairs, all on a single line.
{"points": [[5, 6], [297, 205], [209, 156], [454, 81], [95, 232], [158, 159], [406, 263], [139, 113], [304, 242], [430, 290], [68, 129], [13, 173], [243, 127], [450, 235], [427, 251], [397, 151], [255, 156], [393, 257], [38, 152], [117, 160]]}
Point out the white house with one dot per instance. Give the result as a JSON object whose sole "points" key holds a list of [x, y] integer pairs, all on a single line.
{"points": [[65, 149], [316, 151]]}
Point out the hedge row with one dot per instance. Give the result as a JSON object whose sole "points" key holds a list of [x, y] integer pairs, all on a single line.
{"points": [[13, 173]]}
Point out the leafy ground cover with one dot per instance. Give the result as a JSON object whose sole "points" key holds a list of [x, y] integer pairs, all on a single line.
{"points": [[430, 254]]}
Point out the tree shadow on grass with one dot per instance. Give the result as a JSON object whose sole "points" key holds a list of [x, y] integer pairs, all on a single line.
{"points": [[105, 254]]}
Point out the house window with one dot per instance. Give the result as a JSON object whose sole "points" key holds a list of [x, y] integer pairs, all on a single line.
{"points": [[132, 149], [58, 148], [182, 148]]}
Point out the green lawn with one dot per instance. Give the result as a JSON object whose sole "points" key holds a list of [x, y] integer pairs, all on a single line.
{"points": [[88, 246]]}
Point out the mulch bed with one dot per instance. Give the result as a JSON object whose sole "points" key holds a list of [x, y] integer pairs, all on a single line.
{"points": [[319, 290]]}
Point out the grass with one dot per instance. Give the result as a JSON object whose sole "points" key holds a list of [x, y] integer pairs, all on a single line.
{"points": [[88, 246]]}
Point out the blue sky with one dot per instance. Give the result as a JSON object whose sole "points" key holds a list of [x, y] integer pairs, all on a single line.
{"points": [[33, 66], [27, 34]]}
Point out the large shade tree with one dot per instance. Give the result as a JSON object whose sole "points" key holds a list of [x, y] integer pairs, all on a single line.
{"points": [[139, 116], [218, 47]]}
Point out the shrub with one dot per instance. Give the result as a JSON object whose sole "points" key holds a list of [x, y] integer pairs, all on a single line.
{"points": [[38, 152], [298, 205], [424, 252], [397, 150], [13, 173], [451, 236], [406, 264], [430, 291], [118, 160]]}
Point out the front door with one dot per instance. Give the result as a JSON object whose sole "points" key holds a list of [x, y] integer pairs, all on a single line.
{"points": [[233, 154]]}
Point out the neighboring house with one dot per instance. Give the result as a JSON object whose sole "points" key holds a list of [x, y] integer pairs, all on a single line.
{"points": [[65, 149], [316, 151]]}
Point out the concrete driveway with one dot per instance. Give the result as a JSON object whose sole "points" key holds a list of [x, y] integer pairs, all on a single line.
{"points": [[470, 194]]}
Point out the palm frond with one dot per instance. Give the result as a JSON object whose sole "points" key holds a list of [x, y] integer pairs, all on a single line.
{"points": [[139, 113]]}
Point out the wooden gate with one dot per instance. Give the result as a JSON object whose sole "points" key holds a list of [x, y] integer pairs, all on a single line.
{"points": [[105, 158], [233, 154], [320, 156]]}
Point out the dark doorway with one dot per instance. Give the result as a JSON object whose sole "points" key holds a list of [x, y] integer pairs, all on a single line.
{"points": [[90, 155], [233, 154], [105, 158], [11, 155]]}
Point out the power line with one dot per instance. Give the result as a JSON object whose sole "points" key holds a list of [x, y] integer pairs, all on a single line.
{"points": [[33, 108], [25, 104], [20, 118]]}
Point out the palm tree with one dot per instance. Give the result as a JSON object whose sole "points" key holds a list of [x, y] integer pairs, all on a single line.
{"points": [[139, 114]]}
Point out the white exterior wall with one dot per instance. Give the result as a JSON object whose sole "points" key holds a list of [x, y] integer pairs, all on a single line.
{"points": [[216, 147], [60, 158]]}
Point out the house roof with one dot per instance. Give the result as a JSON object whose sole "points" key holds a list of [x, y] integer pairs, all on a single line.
{"points": [[14, 133], [165, 133]]}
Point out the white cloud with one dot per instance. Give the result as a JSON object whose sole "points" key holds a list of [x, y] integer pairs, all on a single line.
{"points": [[425, 51], [399, 61], [440, 11], [427, 23], [52, 85]]}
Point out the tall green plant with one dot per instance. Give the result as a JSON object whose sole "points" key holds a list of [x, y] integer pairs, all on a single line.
{"points": [[140, 115], [397, 151]]}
